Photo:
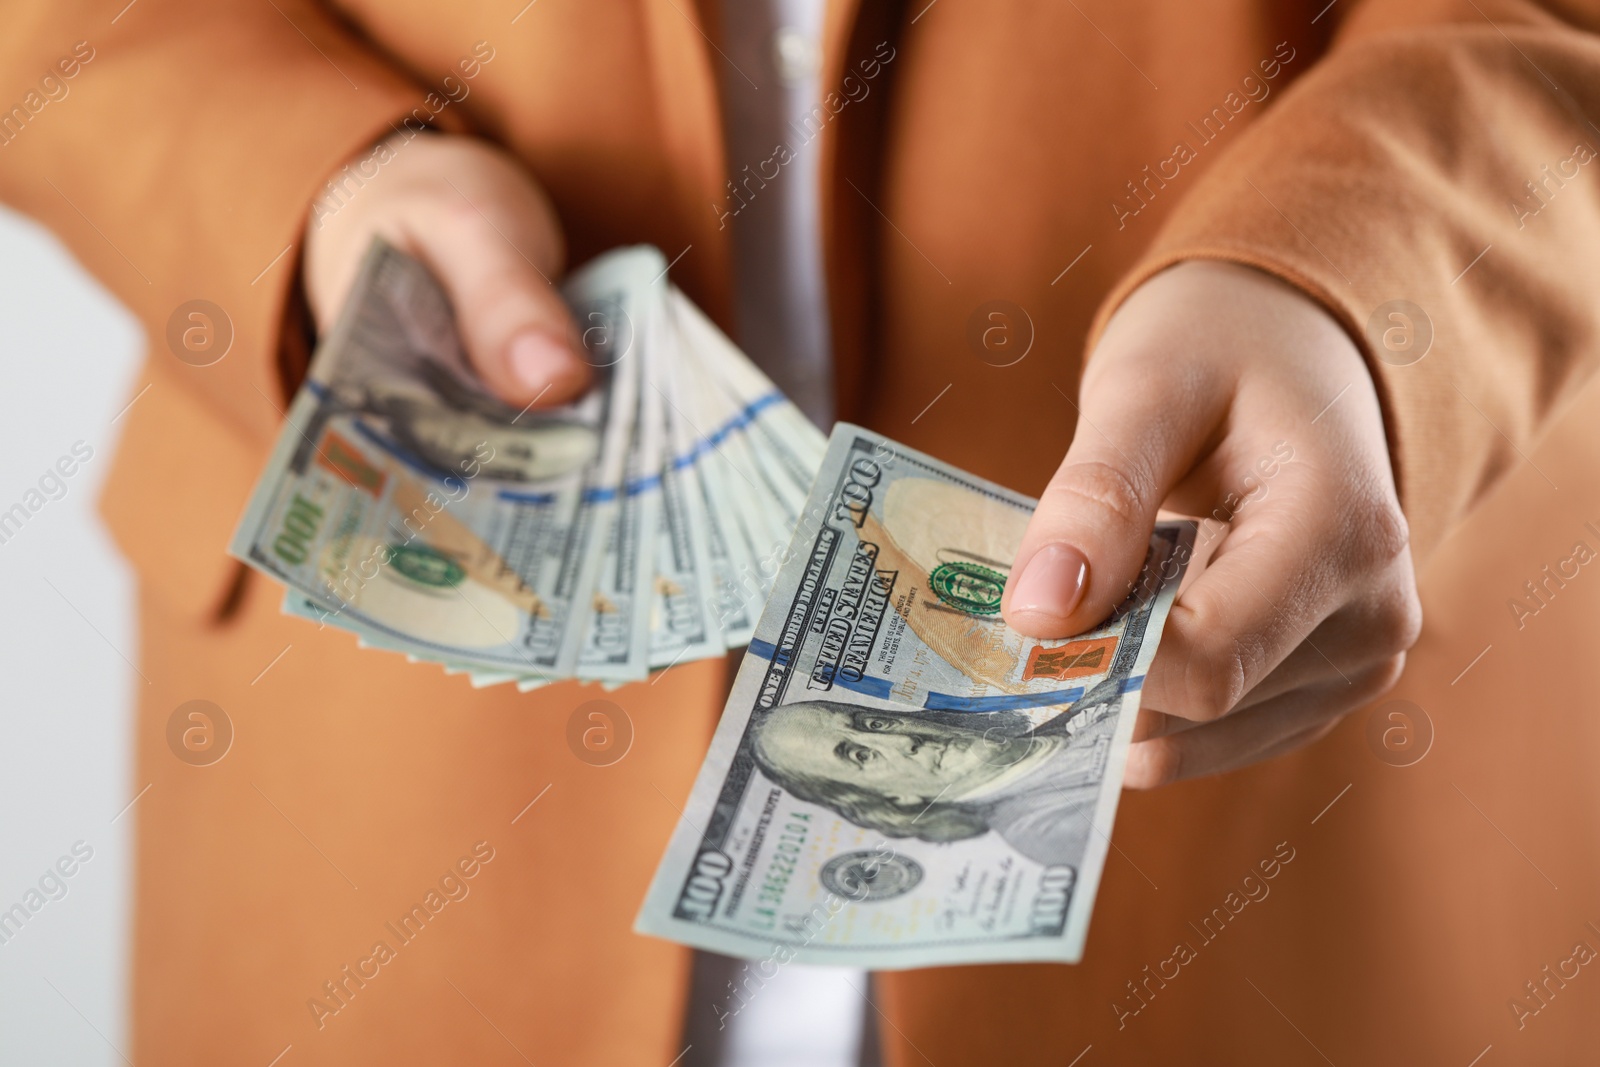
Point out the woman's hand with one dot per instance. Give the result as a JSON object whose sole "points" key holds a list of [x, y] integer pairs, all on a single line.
{"points": [[486, 229], [1217, 389]]}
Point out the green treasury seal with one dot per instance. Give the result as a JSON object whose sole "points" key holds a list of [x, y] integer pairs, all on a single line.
{"points": [[426, 566], [968, 587]]}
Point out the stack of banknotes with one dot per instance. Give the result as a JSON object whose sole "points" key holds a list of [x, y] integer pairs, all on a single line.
{"points": [[898, 779], [627, 532]]}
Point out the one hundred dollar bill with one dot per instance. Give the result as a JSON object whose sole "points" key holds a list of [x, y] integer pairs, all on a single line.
{"points": [[686, 615], [616, 638], [899, 779], [630, 531], [420, 511]]}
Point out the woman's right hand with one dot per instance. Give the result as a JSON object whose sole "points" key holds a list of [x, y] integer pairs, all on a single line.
{"points": [[486, 230]]}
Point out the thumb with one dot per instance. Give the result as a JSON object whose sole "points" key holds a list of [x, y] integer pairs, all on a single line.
{"points": [[497, 261], [1087, 540]]}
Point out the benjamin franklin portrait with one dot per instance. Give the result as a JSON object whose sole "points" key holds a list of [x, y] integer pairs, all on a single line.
{"points": [[945, 776]]}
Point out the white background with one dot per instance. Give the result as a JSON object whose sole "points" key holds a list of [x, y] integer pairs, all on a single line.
{"points": [[69, 353]]}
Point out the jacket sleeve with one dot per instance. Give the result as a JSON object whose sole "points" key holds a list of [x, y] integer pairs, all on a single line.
{"points": [[176, 146], [1434, 182]]}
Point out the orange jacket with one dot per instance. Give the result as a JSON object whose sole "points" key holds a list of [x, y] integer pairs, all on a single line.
{"points": [[1437, 152]]}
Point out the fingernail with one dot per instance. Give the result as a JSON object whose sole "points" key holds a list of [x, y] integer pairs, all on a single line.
{"points": [[539, 360], [1052, 583]]}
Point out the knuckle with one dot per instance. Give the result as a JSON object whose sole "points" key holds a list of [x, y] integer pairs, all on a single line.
{"points": [[1381, 530], [1112, 491], [1392, 532], [1234, 675], [1404, 621], [1366, 687], [1390, 622], [1217, 677]]}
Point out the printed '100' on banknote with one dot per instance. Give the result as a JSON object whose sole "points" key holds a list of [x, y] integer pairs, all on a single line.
{"points": [[899, 779]]}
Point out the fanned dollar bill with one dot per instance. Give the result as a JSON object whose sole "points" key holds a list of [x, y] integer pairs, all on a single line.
{"points": [[899, 779], [405, 503]]}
